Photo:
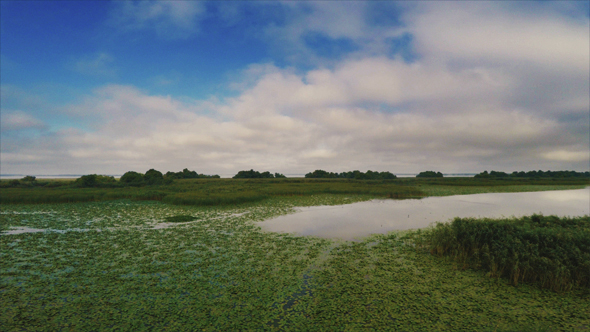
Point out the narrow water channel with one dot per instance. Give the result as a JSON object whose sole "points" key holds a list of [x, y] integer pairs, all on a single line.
{"points": [[381, 216]]}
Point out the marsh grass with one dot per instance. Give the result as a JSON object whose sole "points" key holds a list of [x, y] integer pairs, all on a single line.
{"points": [[548, 251], [214, 192], [210, 192], [448, 190]]}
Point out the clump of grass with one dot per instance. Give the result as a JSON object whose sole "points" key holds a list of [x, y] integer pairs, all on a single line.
{"points": [[180, 218], [549, 251]]}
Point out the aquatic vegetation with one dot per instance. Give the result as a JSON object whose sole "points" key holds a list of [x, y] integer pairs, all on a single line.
{"points": [[181, 218], [383, 282], [546, 250], [221, 272]]}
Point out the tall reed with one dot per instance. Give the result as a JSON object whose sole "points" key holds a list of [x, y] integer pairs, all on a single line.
{"points": [[549, 251]]}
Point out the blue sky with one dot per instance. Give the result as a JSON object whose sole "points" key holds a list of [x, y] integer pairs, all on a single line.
{"points": [[106, 87]]}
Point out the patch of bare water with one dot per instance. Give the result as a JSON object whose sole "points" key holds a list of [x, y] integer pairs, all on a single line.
{"points": [[381, 216]]}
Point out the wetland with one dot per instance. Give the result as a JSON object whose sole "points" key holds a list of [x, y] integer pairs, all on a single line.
{"points": [[213, 267]]}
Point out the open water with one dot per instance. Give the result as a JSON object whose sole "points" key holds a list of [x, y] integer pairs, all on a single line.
{"points": [[358, 220]]}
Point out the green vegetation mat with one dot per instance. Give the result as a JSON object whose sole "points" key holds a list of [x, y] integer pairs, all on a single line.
{"points": [[108, 265]]}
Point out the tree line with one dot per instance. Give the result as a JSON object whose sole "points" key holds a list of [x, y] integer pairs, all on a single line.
{"points": [[154, 177], [356, 174], [252, 174], [532, 175]]}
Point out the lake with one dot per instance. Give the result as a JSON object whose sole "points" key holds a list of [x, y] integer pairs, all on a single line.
{"points": [[381, 216]]}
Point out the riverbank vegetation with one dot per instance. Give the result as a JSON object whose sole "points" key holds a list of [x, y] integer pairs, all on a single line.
{"points": [[549, 251], [144, 265], [214, 191]]}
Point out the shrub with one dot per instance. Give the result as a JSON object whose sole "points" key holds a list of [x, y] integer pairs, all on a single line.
{"points": [[132, 177], [252, 174], [430, 174], [93, 180], [153, 177], [86, 180]]}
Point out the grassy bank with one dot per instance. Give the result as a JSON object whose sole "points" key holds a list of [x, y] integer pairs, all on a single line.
{"points": [[221, 272]]}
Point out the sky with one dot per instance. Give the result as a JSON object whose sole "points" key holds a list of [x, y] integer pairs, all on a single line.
{"points": [[291, 87]]}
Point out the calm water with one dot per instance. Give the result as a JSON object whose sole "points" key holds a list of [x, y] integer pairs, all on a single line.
{"points": [[381, 216]]}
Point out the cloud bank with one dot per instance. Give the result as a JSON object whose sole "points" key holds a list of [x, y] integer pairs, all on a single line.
{"points": [[492, 86]]}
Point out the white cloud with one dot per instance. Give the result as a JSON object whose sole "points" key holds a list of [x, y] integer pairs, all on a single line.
{"points": [[137, 129], [493, 89], [169, 19], [488, 32], [562, 155], [19, 120], [338, 21]]}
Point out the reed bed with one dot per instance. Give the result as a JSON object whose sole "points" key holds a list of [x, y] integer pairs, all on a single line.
{"points": [[549, 251], [209, 192]]}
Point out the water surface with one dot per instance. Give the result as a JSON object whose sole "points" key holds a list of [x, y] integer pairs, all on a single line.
{"points": [[381, 216]]}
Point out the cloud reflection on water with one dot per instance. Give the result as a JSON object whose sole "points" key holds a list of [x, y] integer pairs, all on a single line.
{"points": [[382, 216]]}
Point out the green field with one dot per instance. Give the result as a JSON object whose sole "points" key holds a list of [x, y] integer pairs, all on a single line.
{"points": [[104, 264]]}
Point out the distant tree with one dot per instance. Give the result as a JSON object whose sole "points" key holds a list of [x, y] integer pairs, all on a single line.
{"points": [[387, 176], [318, 173], [482, 175], [252, 174], [86, 180], [495, 174], [132, 177], [153, 177], [29, 178], [93, 180], [550, 174], [430, 174], [266, 175], [279, 176], [186, 174], [356, 174]]}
